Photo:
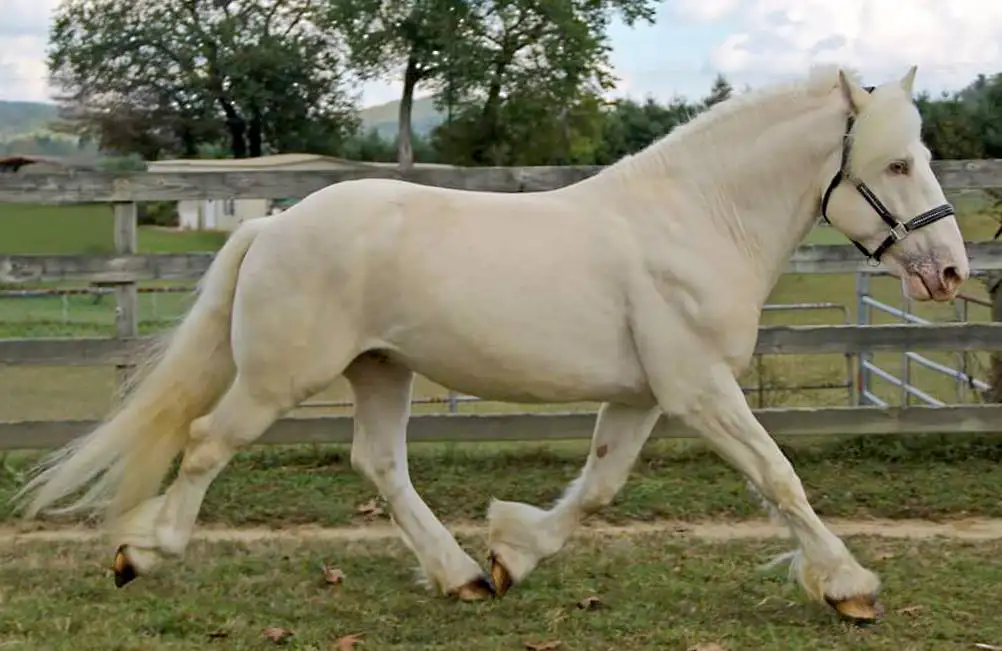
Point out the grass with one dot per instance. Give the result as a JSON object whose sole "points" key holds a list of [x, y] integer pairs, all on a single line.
{"points": [[933, 477], [656, 592], [86, 229]]}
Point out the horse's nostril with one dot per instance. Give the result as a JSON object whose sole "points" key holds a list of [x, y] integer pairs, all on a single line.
{"points": [[951, 276]]}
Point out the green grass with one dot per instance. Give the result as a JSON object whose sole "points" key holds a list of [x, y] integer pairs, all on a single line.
{"points": [[86, 229], [656, 592], [855, 477]]}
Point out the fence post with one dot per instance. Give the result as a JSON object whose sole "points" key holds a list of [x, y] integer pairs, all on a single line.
{"points": [[862, 318], [126, 297], [993, 282]]}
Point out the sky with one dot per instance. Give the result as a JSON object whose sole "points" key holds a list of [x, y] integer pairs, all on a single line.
{"points": [[751, 42]]}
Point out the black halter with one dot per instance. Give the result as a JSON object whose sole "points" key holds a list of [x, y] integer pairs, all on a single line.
{"points": [[899, 230]]}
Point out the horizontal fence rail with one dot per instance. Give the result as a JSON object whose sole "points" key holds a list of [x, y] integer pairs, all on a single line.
{"points": [[111, 268], [95, 187], [844, 421], [772, 340]]}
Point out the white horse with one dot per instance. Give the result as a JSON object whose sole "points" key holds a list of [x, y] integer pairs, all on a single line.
{"points": [[640, 287]]}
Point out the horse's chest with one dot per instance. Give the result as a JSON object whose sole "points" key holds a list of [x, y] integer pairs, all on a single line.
{"points": [[718, 310]]}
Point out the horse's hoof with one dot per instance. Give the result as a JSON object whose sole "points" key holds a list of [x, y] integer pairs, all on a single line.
{"points": [[500, 576], [477, 589], [861, 610], [125, 572]]}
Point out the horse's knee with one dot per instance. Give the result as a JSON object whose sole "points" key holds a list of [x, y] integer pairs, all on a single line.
{"points": [[205, 455]]}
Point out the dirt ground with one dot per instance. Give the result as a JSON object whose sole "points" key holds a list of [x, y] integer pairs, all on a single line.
{"points": [[970, 529]]}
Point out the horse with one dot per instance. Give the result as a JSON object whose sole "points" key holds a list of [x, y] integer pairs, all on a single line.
{"points": [[640, 288]]}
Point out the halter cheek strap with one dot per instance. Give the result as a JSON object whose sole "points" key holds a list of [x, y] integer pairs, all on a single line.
{"points": [[898, 229]]}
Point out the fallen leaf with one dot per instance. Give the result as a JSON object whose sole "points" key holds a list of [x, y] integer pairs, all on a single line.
{"points": [[276, 634], [706, 646], [590, 603], [370, 508], [910, 610], [332, 575], [544, 646], [348, 642], [217, 635]]}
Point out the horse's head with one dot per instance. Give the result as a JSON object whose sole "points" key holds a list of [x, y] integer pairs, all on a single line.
{"points": [[880, 192]]}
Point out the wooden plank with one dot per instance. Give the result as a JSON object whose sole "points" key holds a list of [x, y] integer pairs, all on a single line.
{"points": [[837, 259], [268, 184], [112, 268], [787, 340], [126, 298], [833, 421], [774, 340], [56, 351], [109, 268]]}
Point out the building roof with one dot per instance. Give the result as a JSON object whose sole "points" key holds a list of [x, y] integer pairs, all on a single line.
{"points": [[314, 162], [15, 162]]}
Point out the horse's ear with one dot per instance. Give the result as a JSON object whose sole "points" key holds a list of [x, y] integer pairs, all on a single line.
{"points": [[853, 93], [908, 81]]}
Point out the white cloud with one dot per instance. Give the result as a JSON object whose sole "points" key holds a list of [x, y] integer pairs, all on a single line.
{"points": [[705, 10], [23, 33], [951, 41]]}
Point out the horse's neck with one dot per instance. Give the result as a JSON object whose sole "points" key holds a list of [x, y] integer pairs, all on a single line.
{"points": [[755, 188]]}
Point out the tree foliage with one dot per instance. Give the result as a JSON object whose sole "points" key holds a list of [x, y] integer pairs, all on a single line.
{"points": [[544, 60], [421, 41], [165, 77]]}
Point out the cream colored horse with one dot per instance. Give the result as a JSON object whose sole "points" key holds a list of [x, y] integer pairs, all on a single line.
{"points": [[640, 287]]}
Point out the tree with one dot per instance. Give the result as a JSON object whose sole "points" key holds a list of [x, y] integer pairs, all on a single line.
{"points": [[719, 91], [629, 126], [186, 73], [549, 56], [422, 40]]}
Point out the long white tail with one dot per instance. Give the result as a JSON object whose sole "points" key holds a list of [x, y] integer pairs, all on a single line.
{"points": [[130, 454]]}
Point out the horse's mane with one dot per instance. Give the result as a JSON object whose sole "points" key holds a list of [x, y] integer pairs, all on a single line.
{"points": [[889, 123]]}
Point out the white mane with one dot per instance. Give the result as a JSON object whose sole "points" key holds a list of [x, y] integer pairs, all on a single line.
{"points": [[889, 123]]}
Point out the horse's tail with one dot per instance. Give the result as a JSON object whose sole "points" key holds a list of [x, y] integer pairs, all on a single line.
{"points": [[184, 375]]}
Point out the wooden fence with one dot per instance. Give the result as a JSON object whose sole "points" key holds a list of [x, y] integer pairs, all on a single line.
{"points": [[125, 268]]}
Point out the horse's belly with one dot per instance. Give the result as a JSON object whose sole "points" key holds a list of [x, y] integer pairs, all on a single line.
{"points": [[532, 367]]}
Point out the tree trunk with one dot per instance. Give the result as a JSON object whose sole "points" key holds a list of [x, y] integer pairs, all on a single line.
{"points": [[489, 117], [405, 134], [254, 135], [237, 127]]}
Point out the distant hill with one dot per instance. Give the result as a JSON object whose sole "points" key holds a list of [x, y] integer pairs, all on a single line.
{"points": [[383, 117], [25, 120], [20, 118]]}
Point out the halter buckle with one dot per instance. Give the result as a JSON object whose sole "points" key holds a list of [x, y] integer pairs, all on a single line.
{"points": [[872, 261], [899, 231]]}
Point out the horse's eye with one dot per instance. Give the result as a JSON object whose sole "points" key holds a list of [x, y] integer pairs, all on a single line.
{"points": [[898, 167]]}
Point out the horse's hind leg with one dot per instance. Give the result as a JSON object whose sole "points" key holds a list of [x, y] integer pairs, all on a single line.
{"points": [[382, 390], [163, 525], [520, 535]]}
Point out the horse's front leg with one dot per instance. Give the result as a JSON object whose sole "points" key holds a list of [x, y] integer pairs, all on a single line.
{"points": [[824, 566], [520, 535], [691, 380]]}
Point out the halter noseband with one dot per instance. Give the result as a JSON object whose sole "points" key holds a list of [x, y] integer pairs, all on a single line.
{"points": [[899, 230]]}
